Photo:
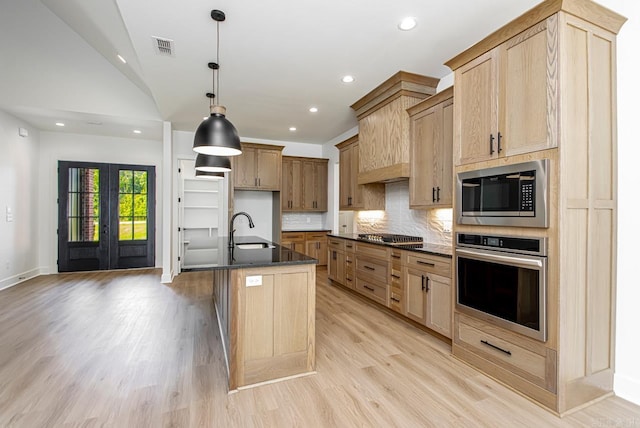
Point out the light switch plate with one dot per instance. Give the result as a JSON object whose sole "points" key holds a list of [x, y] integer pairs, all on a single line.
{"points": [[253, 281]]}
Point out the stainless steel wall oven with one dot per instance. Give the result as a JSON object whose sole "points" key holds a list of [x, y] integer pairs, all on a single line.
{"points": [[503, 280]]}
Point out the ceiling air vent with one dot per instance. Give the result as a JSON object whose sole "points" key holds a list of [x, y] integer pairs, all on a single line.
{"points": [[163, 46]]}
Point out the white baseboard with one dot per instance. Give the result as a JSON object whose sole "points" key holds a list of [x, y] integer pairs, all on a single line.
{"points": [[21, 277], [627, 388], [167, 278]]}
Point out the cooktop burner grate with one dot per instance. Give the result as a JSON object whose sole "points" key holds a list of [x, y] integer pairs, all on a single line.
{"points": [[391, 238]]}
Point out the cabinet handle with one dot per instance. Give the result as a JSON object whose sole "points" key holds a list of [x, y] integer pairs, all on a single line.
{"points": [[491, 138], [255, 181], [334, 255], [395, 256], [438, 197], [349, 279], [420, 262], [348, 261], [259, 184], [349, 201], [349, 246], [395, 276], [395, 300], [369, 288], [369, 267], [499, 142], [433, 194], [427, 286], [484, 342], [423, 287]]}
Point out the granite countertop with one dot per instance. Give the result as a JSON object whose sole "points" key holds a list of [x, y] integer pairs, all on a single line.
{"points": [[238, 258], [307, 230], [426, 248]]}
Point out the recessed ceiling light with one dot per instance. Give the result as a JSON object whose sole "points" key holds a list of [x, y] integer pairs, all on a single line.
{"points": [[59, 124], [137, 131], [293, 128], [347, 79], [408, 23], [313, 109], [124, 61]]}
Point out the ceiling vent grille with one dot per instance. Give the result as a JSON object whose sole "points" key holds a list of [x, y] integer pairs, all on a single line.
{"points": [[163, 46]]}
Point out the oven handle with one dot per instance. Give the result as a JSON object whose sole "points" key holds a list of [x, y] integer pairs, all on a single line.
{"points": [[492, 256]]}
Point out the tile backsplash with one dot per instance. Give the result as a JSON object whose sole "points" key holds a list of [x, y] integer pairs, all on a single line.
{"points": [[433, 225], [303, 221]]}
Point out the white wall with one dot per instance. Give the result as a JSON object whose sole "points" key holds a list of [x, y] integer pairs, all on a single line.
{"points": [[627, 378], [19, 177], [55, 146]]}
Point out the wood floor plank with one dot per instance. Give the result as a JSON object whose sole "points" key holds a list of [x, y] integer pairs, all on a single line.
{"points": [[121, 349]]}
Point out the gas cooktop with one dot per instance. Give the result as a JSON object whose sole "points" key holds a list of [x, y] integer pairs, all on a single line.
{"points": [[391, 238]]}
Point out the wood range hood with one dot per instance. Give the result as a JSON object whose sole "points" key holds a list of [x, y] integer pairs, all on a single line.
{"points": [[384, 126]]}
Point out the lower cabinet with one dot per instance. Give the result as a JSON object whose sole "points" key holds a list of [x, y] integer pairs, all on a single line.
{"points": [[413, 284], [313, 244]]}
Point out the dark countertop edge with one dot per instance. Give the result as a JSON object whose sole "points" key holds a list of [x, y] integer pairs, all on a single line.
{"points": [[306, 230], [434, 252], [259, 265]]}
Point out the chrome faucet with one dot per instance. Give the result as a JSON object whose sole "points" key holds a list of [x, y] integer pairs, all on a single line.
{"points": [[232, 230]]}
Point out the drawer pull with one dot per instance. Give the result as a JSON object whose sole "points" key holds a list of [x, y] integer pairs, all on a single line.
{"points": [[395, 276], [420, 262], [349, 279], [369, 267], [395, 300], [349, 245], [369, 288], [348, 261], [484, 342], [394, 256]]}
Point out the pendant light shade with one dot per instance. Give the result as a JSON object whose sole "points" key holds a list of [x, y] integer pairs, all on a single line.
{"points": [[210, 175], [216, 135], [212, 163]]}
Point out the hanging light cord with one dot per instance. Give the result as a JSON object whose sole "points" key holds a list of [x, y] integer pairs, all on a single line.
{"points": [[218, 57]]}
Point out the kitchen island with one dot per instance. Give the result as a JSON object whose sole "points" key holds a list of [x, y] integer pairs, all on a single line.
{"points": [[264, 296]]}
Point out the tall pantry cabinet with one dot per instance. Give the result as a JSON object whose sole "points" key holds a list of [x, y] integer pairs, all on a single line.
{"points": [[543, 87]]}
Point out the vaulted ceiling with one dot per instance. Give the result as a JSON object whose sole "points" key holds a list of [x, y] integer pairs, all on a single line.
{"points": [[277, 59]]}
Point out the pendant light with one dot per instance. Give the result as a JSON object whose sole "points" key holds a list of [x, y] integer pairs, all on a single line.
{"points": [[210, 175], [216, 135], [212, 163]]}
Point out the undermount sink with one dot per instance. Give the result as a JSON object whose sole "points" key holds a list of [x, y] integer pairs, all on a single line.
{"points": [[254, 245]]}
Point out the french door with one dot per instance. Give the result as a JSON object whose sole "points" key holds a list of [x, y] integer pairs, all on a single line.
{"points": [[106, 216]]}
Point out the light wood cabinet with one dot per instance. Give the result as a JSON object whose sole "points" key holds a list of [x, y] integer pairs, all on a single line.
{"points": [[552, 97], [396, 283], [384, 126], [313, 244], [294, 241], [431, 181], [336, 260], [259, 167], [508, 96], [354, 196], [304, 184]]}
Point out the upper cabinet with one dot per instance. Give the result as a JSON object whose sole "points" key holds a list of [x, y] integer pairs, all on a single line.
{"points": [[354, 196], [384, 126], [304, 184], [509, 97], [431, 182], [259, 167]]}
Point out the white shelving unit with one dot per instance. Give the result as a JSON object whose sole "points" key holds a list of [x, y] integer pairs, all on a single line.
{"points": [[200, 218]]}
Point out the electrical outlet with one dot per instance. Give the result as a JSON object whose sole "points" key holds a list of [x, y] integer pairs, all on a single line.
{"points": [[308, 219], [446, 228]]}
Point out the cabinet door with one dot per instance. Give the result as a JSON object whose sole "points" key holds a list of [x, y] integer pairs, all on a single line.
{"points": [[425, 132], [320, 188], [287, 184], [268, 169], [335, 266], [345, 178], [322, 252], [443, 157], [308, 185], [528, 90], [355, 189], [415, 294], [438, 313], [476, 103], [244, 169]]}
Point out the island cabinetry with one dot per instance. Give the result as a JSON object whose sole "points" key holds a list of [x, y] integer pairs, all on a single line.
{"points": [[383, 125], [335, 260], [431, 181], [428, 295], [509, 97], [354, 196], [267, 320], [259, 167]]}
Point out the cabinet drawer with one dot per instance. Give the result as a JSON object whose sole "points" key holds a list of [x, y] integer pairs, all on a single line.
{"points": [[433, 264], [315, 236], [373, 268], [395, 279], [335, 243], [349, 245], [349, 280], [371, 290], [293, 236], [528, 359], [396, 258], [395, 301], [372, 250]]}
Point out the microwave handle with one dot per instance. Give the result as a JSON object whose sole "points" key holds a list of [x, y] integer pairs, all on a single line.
{"points": [[521, 261]]}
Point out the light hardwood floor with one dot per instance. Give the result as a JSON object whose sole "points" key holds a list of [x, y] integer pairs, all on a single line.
{"points": [[124, 350]]}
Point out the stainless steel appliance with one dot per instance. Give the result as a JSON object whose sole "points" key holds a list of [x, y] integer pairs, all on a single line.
{"points": [[503, 280], [510, 195]]}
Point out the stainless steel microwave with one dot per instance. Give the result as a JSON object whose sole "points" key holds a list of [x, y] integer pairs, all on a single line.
{"points": [[510, 195]]}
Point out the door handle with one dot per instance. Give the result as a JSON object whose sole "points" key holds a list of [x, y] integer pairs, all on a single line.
{"points": [[491, 138], [105, 229]]}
